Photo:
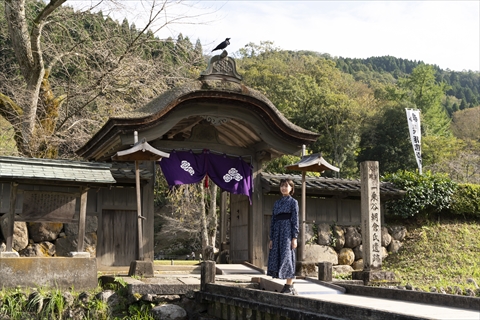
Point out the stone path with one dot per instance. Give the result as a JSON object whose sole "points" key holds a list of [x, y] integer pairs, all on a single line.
{"points": [[238, 273]]}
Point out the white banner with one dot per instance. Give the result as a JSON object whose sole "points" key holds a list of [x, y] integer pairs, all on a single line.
{"points": [[413, 118]]}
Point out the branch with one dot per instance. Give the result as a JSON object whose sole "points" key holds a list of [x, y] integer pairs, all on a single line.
{"points": [[9, 109]]}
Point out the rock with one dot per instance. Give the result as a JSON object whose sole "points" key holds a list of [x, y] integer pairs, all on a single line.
{"points": [[148, 297], [342, 269], [358, 251], [75, 314], [394, 246], [306, 269], [43, 249], [104, 295], [113, 299], [469, 292], [84, 297], [352, 237], [20, 234], [91, 225], [338, 238], [192, 307], [324, 233], [167, 298], [386, 237], [398, 232], [346, 256], [471, 280], [358, 265], [384, 253], [44, 231], [169, 312], [309, 232], [319, 253], [68, 298], [69, 244]]}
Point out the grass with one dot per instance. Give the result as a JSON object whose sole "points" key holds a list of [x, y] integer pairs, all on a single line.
{"points": [[176, 262], [434, 254]]}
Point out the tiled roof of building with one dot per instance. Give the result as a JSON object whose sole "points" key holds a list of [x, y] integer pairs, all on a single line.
{"points": [[65, 171], [325, 186]]}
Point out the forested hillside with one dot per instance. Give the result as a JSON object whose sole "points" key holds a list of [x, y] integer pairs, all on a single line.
{"points": [[463, 87], [90, 67]]}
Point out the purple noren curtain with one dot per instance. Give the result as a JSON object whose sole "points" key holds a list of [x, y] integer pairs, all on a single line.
{"points": [[185, 167]]}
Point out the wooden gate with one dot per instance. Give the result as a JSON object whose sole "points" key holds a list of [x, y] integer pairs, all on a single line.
{"points": [[239, 228], [117, 243]]}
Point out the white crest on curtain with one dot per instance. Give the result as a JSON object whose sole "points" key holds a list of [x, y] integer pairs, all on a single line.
{"points": [[187, 167], [232, 174]]}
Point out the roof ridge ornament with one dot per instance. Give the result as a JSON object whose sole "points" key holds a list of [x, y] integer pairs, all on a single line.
{"points": [[221, 67]]}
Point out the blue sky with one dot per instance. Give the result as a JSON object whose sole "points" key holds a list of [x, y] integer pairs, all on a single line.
{"points": [[445, 33]]}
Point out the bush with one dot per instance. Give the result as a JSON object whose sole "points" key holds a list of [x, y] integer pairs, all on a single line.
{"points": [[466, 200], [425, 194]]}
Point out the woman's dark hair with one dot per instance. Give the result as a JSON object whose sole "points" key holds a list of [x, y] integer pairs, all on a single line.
{"points": [[289, 182]]}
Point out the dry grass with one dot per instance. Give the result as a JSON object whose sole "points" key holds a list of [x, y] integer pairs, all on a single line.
{"points": [[438, 255], [176, 262]]}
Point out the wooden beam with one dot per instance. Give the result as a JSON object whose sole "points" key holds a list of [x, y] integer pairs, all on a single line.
{"points": [[256, 216], [11, 216], [189, 145], [81, 219], [139, 212], [301, 244]]}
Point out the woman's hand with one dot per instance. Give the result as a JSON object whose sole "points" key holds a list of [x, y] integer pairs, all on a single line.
{"points": [[294, 243], [270, 244]]}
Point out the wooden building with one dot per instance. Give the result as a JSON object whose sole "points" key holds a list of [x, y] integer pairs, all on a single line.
{"points": [[110, 199], [216, 112]]}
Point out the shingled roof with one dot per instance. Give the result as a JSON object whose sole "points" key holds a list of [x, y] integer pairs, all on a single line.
{"points": [[35, 170], [322, 186]]}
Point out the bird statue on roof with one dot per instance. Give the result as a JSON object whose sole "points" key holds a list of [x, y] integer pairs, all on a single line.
{"points": [[222, 45]]}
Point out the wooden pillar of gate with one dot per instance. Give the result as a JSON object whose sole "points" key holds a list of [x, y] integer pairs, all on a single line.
{"points": [[11, 217]]}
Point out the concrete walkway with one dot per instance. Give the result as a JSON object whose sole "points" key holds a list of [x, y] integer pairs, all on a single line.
{"points": [[238, 273], [312, 290]]}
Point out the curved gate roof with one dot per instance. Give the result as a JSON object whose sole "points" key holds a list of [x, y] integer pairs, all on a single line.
{"points": [[214, 113]]}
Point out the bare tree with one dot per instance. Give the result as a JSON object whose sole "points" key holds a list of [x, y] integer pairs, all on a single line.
{"points": [[212, 218], [191, 214], [65, 79]]}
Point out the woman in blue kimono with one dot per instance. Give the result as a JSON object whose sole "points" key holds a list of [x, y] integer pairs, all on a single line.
{"points": [[283, 237]]}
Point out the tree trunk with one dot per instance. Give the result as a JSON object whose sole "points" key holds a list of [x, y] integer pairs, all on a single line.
{"points": [[212, 214], [28, 51]]}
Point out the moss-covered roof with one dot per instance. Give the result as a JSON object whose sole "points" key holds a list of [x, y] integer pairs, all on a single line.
{"points": [[65, 171]]}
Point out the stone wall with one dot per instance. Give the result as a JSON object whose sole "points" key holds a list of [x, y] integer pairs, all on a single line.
{"points": [[42, 239], [342, 245]]}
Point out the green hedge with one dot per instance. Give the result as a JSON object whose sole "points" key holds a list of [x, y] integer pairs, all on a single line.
{"points": [[425, 194], [466, 200]]}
